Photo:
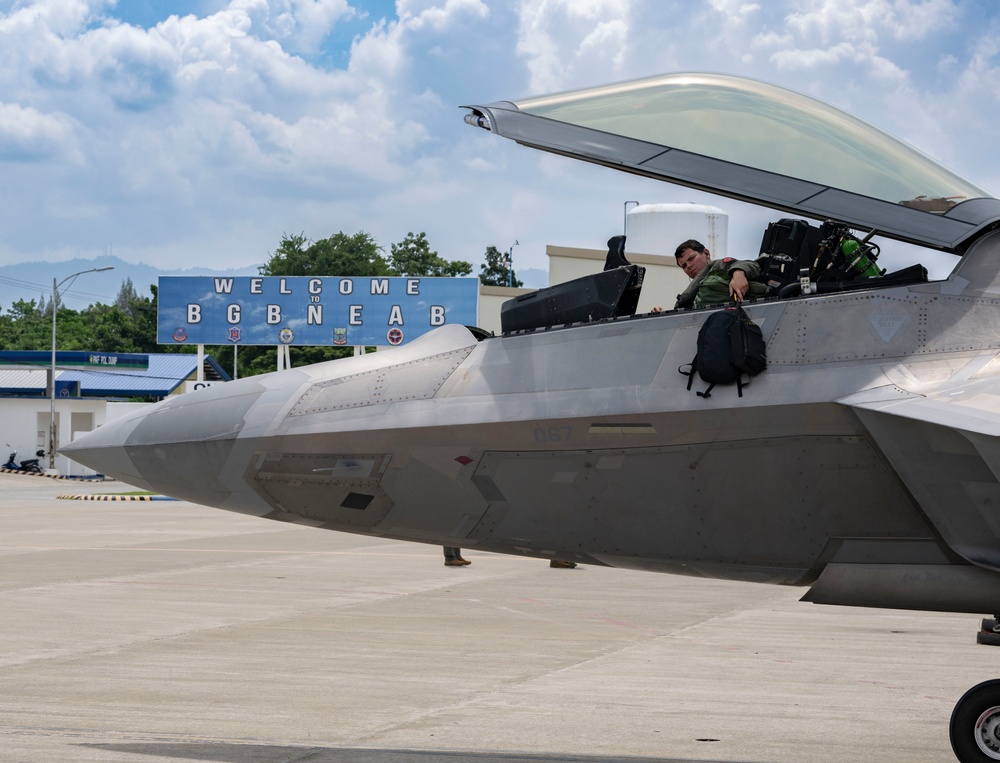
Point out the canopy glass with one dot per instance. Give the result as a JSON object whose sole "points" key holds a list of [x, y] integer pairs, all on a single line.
{"points": [[765, 127]]}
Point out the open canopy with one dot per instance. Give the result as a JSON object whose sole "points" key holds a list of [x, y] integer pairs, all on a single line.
{"points": [[755, 142]]}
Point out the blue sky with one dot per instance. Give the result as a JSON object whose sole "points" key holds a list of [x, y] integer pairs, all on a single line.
{"points": [[186, 134]]}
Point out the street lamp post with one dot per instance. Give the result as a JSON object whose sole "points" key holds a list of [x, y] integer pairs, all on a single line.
{"points": [[52, 381], [510, 263]]}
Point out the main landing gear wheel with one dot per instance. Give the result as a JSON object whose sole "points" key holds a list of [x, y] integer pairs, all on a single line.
{"points": [[989, 632], [975, 724]]}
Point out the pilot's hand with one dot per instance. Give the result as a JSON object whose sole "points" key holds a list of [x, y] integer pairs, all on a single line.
{"points": [[738, 285], [656, 310]]}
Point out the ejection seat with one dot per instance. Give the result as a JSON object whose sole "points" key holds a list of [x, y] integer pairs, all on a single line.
{"points": [[612, 293]]}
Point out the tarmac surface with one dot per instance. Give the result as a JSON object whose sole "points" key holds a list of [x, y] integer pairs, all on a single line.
{"points": [[159, 632]]}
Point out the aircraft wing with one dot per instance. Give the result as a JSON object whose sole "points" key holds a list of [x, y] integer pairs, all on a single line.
{"points": [[945, 446]]}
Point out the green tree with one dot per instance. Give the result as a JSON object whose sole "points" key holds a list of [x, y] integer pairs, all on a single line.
{"points": [[109, 327], [413, 257], [25, 327], [127, 297], [338, 255], [143, 312], [129, 325], [497, 270]]}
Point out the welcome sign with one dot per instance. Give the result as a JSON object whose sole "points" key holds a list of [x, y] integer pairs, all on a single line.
{"points": [[305, 310]]}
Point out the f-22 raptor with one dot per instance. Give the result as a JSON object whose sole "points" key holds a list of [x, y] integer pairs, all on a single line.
{"points": [[863, 463]]}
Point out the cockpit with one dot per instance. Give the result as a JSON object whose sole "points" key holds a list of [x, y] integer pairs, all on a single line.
{"points": [[796, 259], [839, 182]]}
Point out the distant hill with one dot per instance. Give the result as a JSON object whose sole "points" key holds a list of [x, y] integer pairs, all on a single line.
{"points": [[33, 280]]}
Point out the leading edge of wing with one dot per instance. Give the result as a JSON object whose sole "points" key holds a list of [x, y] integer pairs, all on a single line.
{"points": [[970, 406], [945, 448]]}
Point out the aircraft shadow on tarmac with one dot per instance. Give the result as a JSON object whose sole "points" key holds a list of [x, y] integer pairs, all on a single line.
{"points": [[223, 752]]}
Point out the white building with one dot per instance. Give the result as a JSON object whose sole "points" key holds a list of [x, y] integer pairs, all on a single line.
{"points": [[26, 407]]}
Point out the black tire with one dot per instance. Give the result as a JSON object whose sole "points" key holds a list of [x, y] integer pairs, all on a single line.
{"points": [[975, 724], [988, 638]]}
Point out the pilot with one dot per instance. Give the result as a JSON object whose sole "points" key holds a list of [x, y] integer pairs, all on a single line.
{"points": [[695, 260]]}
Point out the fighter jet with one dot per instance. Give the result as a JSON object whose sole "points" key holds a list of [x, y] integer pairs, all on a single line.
{"points": [[863, 463]]}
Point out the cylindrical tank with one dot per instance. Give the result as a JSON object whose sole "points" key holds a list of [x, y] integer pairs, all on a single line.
{"points": [[659, 228]]}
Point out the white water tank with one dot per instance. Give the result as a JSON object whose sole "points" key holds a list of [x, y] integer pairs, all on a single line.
{"points": [[659, 228]]}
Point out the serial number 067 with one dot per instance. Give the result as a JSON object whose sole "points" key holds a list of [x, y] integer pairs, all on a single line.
{"points": [[552, 434]]}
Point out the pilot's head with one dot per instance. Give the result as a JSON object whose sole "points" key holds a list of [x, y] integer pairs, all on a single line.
{"points": [[692, 256]]}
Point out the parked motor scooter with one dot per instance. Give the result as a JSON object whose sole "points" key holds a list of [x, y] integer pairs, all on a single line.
{"points": [[29, 465]]}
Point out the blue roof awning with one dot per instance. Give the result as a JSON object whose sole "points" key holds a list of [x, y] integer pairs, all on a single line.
{"points": [[165, 373]]}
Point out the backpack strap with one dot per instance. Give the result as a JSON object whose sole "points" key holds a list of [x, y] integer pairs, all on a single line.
{"points": [[689, 374], [740, 384]]}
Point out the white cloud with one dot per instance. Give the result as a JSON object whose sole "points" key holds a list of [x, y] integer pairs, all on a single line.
{"points": [[570, 42], [826, 32], [59, 17], [27, 135], [737, 11], [827, 20], [419, 15], [379, 54], [299, 25], [217, 132], [913, 20], [384, 55]]}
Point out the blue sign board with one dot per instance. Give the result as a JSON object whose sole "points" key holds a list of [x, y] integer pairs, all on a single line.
{"points": [[305, 310], [106, 361]]}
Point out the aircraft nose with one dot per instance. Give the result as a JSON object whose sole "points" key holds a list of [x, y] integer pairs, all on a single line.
{"points": [[103, 451], [180, 447]]}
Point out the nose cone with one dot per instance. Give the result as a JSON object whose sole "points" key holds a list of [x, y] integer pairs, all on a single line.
{"points": [[180, 447], [103, 450]]}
